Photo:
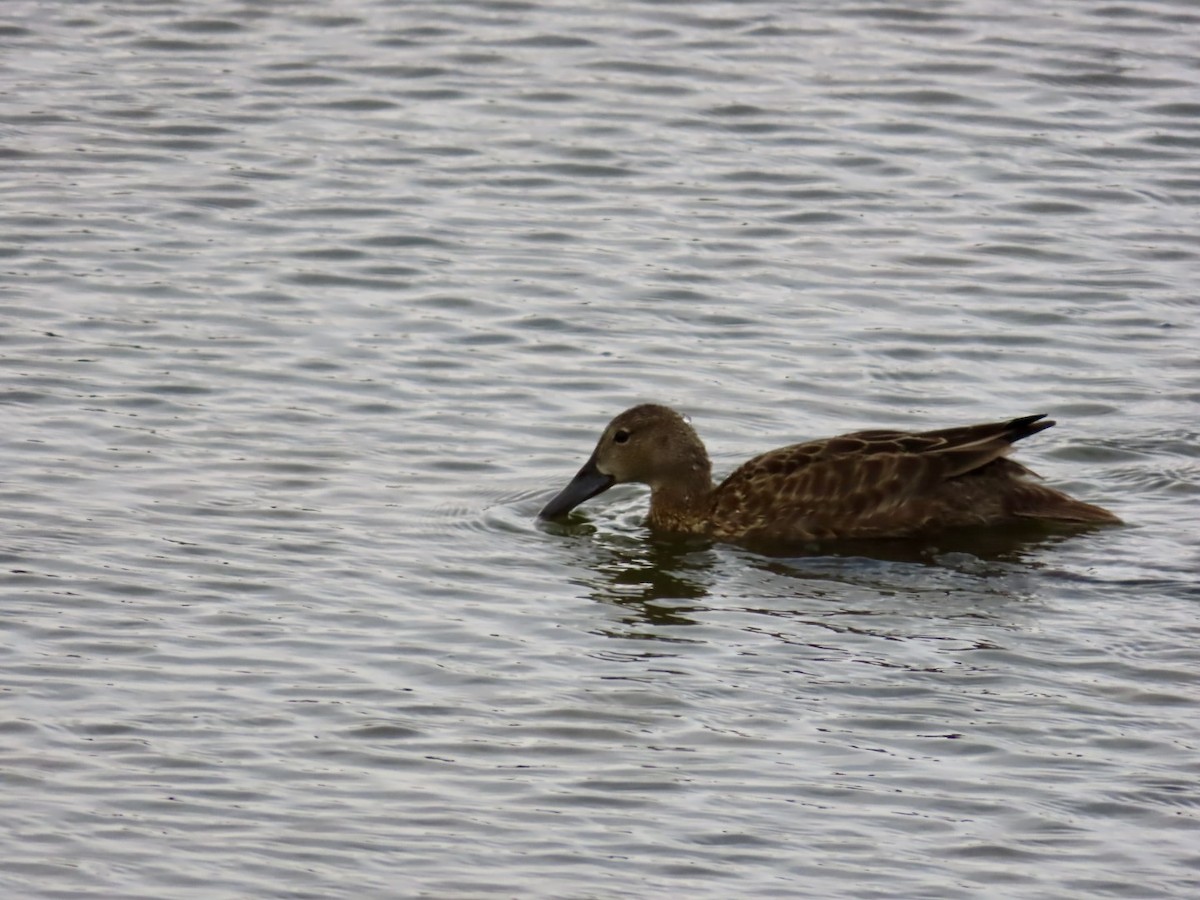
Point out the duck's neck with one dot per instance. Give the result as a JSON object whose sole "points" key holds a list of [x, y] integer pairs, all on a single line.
{"points": [[683, 504]]}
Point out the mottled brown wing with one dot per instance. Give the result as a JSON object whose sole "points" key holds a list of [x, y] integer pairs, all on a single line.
{"points": [[962, 437], [862, 483], [822, 496]]}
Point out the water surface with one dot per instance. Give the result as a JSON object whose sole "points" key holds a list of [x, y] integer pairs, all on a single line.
{"points": [[305, 311]]}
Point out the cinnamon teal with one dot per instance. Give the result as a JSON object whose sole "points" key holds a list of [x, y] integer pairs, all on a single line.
{"points": [[869, 484]]}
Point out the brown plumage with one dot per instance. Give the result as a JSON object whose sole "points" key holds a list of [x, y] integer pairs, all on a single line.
{"points": [[869, 484]]}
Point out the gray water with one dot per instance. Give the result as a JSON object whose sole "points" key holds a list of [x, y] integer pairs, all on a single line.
{"points": [[306, 308]]}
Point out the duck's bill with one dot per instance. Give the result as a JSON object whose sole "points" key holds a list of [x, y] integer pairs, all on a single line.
{"points": [[589, 482]]}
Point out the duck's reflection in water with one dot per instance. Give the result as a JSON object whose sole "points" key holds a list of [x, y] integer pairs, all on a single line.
{"points": [[656, 581], [662, 583]]}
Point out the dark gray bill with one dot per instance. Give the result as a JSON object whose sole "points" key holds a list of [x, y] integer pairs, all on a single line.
{"points": [[587, 483]]}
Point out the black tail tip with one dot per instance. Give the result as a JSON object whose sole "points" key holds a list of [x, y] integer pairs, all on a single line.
{"points": [[1024, 426]]}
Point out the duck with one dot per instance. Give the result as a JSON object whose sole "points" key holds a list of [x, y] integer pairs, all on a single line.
{"points": [[876, 484]]}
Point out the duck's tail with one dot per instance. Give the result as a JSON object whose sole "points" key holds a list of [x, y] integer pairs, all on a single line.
{"points": [[1036, 501]]}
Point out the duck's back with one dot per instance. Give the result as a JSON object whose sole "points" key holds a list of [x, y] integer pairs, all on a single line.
{"points": [[890, 484]]}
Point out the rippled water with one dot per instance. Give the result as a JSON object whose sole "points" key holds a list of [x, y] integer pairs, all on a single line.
{"points": [[307, 308]]}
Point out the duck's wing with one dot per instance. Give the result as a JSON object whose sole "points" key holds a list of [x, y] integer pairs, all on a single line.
{"points": [[868, 481], [965, 443]]}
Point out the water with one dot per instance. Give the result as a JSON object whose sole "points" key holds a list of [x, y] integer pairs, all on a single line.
{"points": [[306, 310]]}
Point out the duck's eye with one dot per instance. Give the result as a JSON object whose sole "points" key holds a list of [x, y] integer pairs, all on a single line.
{"points": [[621, 436]]}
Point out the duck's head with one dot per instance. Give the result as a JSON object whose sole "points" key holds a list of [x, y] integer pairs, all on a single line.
{"points": [[648, 444]]}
